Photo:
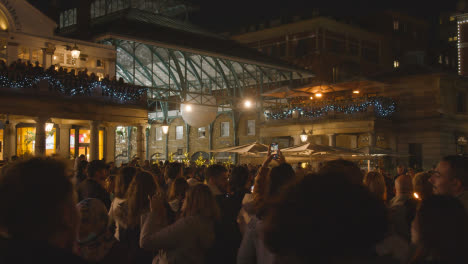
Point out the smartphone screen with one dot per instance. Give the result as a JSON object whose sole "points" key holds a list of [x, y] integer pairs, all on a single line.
{"points": [[274, 150]]}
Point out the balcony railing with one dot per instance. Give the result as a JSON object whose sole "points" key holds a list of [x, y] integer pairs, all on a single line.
{"points": [[380, 107], [26, 78]]}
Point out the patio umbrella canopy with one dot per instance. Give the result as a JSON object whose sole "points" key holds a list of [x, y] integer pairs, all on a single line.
{"points": [[247, 149], [314, 149]]}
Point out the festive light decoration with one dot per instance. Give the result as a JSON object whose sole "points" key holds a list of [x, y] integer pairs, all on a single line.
{"points": [[77, 87], [171, 157], [200, 161], [186, 159], [383, 107]]}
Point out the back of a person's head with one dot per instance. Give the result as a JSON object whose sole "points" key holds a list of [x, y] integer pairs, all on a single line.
{"points": [[142, 186], [458, 168], [188, 172], [343, 168], [421, 184], [336, 218], [199, 201], [178, 189], [33, 196], [375, 183], [95, 166], [404, 185], [214, 171], [123, 180], [442, 228], [279, 177], [174, 170], [239, 177]]}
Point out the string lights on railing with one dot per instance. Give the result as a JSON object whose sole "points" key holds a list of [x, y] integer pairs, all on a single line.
{"points": [[124, 94], [383, 107]]}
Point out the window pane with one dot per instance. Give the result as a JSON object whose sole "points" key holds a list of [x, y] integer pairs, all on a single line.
{"points": [[225, 129], [201, 132], [179, 132], [159, 133], [251, 127]]}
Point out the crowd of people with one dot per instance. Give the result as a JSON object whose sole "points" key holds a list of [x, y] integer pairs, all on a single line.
{"points": [[273, 213], [64, 81]]}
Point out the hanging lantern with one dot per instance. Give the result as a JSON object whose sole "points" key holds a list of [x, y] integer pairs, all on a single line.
{"points": [[304, 136], [197, 110], [49, 127], [165, 127], [75, 52]]}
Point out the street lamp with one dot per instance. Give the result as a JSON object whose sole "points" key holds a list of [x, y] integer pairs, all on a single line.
{"points": [[304, 136], [75, 52], [165, 127], [49, 127]]}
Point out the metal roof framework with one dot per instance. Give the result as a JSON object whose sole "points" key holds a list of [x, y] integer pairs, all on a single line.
{"points": [[171, 72]]}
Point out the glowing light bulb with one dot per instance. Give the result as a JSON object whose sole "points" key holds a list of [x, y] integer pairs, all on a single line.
{"points": [[248, 104], [416, 195], [188, 108], [355, 91], [311, 98], [318, 95]]}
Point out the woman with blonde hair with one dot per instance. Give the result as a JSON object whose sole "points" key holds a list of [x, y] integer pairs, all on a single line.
{"points": [[375, 182], [189, 238]]}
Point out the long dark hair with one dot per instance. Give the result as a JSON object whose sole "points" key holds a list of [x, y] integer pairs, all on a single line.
{"points": [[140, 188], [123, 180]]}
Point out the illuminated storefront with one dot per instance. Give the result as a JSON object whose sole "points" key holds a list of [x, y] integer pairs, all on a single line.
{"points": [[84, 140], [26, 140]]}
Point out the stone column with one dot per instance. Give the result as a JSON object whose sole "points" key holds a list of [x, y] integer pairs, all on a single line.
{"points": [[110, 144], [140, 141], [332, 140], [12, 52], [94, 141], [40, 145], [372, 139], [64, 141], [111, 68], [354, 141], [9, 140]]}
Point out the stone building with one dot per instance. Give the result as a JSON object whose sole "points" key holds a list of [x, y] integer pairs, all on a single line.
{"points": [[53, 112]]}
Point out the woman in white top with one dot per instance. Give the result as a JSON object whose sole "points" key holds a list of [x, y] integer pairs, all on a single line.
{"points": [[118, 211]]}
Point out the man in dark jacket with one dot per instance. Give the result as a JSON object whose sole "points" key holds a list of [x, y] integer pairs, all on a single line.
{"points": [[38, 216], [93, 186]]}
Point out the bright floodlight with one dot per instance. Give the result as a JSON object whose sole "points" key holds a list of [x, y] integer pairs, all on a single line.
{"points": [[248, 104], [318, 95], [356, 91]]}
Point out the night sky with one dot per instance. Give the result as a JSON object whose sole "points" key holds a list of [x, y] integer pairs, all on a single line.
{"points": [[225, 15]]}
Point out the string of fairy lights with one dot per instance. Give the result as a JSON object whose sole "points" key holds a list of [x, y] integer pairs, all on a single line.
{"points": [[383, 107], [122, 94]]}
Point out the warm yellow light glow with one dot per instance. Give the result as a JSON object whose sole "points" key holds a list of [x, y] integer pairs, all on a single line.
{"points": [[165, 127], [49, 127], [356, 91], [248, 104], [188, 108], [416, 195], [318, 95], [75, 52], [55, 57], [85, 135], [311, 98], [303, 136]]}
